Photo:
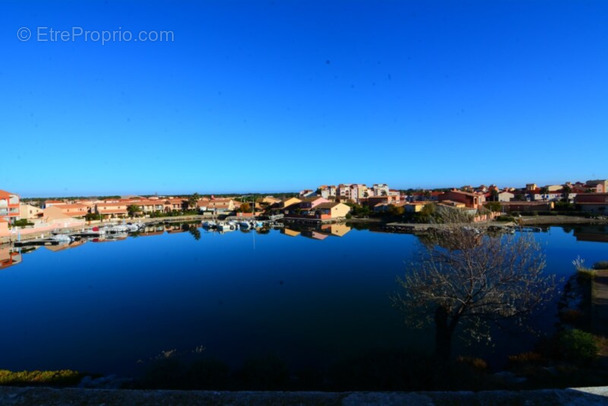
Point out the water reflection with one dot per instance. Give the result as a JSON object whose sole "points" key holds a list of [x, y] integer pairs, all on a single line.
{"points": [[591, 233], [10, 255]]}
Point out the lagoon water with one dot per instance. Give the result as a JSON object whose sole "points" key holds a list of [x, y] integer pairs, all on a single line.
{"points": [[112, 307]]}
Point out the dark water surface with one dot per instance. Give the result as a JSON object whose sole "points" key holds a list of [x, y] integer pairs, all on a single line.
{"points": [[112, 307]]}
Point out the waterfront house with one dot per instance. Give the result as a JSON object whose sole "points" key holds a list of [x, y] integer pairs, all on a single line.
{"points": [[331, 210], [592, 202], [470, 199], [221, 206], [55, 215], [112, 209], [174, 204], [537, 206], [312, 202], [73, 210], [150, 205], [414, 207], [9, 206], [27, 211], [290, 201]]}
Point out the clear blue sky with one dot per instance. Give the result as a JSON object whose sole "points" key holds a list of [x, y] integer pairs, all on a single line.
{"points": [[285, 95]]}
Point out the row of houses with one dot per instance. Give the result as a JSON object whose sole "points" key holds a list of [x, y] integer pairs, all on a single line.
{"points": [[326, 202]]}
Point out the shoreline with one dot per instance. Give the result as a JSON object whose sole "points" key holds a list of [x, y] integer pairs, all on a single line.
{"points": [[556, 221]]}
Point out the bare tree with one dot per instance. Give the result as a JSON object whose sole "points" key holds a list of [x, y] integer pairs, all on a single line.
{"points": [[464, 280]]}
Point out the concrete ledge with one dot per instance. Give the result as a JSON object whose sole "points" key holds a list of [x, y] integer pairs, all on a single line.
{"points": [[108, 397]]}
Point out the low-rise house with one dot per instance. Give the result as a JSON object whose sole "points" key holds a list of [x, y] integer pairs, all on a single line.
{"points": [[386, 199], [73, 210], [470, 199], [54, 215], [112, 210], [174, 204], [332, 210], [512, 206], [27, 211], [592, 202], [453, 204], [148, 206], [221, 206], [290, 201], [505, 196], [312, 202], [9, 206], [415, 207], [270, 200]]}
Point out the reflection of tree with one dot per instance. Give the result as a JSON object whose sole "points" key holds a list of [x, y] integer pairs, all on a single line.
{"points": [[463, 280], [196, 233]]}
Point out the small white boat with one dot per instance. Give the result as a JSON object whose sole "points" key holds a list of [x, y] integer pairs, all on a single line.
{"points": [[209, 224], [230, 226], [61, 238], [245, 225]]}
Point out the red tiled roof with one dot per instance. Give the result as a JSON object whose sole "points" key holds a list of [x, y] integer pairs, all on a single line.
{"points": [[5, 194]]}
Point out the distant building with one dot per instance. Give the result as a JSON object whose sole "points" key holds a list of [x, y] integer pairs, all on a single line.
{"points": [[598, 186], [306, 193]]}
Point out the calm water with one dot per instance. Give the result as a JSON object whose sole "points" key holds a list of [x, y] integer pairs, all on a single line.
{"points": [[111, 307]]}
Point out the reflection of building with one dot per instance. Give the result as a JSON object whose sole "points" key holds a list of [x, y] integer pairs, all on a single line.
{"points": [[61, 247], [592, 202], [591, 233], [8, 257], [289, 232], [335, 229], [315, 235]]}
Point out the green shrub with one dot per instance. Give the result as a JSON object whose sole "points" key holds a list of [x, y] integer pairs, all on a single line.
{"points": [[64, 377], [577, 346], [505, 218], [22, 223]]}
